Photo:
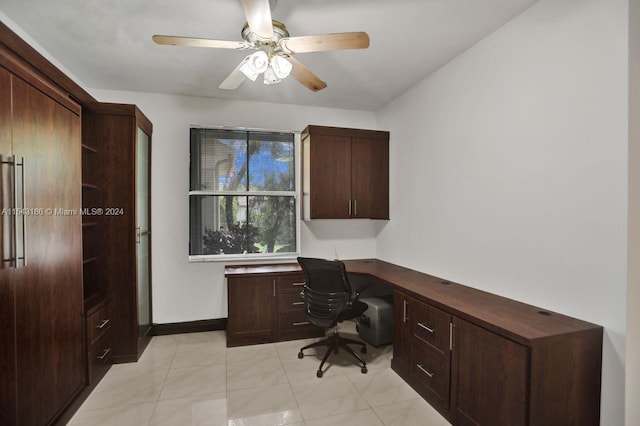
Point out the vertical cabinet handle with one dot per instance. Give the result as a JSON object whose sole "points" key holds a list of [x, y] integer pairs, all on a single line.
{"points": [[355, 207], [24, 217], [274, 288], [137, 235], [11, 258], [404, 311], [349, 207]]}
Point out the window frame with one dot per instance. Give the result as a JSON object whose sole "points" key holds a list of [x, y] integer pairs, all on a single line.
{"points": [[295, 194]]}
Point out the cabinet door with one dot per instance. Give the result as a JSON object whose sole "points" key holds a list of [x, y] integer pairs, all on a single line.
{"points": [[49, 305], [252, 308], [143, 233], [402, 306], [370, 178], [330, 177], [489, 378], [7, 320]]}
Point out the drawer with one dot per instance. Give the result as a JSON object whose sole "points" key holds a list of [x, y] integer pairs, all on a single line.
{"points": [[290, 283], [97, 323], [432, 369], [295, 323], [99, 355], [431, 326], [290, 301]]}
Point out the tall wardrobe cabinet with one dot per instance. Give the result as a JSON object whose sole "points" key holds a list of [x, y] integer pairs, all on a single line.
{"points": [[119, 172], [42, 365]]}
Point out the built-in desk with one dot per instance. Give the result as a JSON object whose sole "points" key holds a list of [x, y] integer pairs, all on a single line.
{"points": [[477, 357]]}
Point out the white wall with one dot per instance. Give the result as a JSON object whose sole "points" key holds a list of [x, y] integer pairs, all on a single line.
{"points": [[509, 170], [184, 291], [633, 279]]}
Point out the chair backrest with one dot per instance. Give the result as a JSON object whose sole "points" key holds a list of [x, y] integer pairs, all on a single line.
{"points": [[327, 291]]}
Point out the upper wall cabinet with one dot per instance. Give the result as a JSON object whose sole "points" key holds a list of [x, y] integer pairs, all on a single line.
{"points": [[345, 173]]}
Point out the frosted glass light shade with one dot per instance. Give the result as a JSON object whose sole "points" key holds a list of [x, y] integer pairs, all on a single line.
{"points": [[256, 65]]}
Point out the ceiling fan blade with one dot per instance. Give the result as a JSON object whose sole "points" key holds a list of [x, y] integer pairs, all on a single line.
{"points": [[201, 42], [305, 76], [258, 15], [321, 43], [235, 77]]}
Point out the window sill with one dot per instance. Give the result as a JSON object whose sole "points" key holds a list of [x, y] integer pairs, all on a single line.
{"points": [[242, 258]]}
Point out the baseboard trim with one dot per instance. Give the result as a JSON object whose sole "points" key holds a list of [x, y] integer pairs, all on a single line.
{"points": [[189, 327]]}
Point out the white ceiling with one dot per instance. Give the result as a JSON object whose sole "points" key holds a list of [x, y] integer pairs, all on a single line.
{"points": [[107, 44]]}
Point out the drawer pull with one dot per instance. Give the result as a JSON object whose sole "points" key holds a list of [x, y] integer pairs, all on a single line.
{"points": [[426, 328], [104, 354], [297, 324], [425, 371], [103, 324], [297, 303], [298, 284]]}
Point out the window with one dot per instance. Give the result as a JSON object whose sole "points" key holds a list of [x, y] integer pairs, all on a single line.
{"points": [[242, 198]]}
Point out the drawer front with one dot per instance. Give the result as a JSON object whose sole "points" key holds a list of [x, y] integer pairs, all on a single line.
{"points": [[431, 326], [290, 301], [99, 355], [290, 283], [431, 368], [295, 323], [98, 323]]}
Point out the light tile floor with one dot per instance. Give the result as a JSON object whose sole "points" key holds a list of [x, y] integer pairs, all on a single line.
{"points": [[193, 379]]}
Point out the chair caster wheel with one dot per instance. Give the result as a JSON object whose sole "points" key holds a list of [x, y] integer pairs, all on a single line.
{"points": [[364, 350], [319, 374], [364, 370], [300, 355]]}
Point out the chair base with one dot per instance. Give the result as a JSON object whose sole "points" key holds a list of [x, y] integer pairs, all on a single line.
{"points": [[334, 342]]}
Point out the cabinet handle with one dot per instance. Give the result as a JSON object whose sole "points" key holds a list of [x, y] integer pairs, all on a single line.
{"points": [[404, 311], [297, 324], [24, 217], [427, 372], [355, 207], [298, 284], [274, 288], [103, 324], [349, 207], [430, 330], [450, 336], [138, 234], [104, 354], [297, 303], [13, 262]]}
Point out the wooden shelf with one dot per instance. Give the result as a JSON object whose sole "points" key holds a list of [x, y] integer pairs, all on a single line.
{"points": [[89, 260], [89, 148]]}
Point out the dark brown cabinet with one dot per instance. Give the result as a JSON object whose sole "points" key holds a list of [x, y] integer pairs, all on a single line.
{"points": [[266, 307], [475, 376], [117, 226], [98, 329], [345, 173], [498, 368], [42, 364], [252, 310]]}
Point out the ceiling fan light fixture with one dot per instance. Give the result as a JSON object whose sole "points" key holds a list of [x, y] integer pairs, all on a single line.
{"points": [[281, 66], [256, 64], [270, 76]]}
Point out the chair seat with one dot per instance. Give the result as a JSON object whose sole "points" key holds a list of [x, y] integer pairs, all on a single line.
{"points": [[356, 309]]}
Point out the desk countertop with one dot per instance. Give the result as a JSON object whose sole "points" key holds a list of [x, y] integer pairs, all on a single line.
{"points": [[518, 321]]}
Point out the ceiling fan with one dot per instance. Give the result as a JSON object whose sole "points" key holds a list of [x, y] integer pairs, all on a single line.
{"points": [[274, 48]]}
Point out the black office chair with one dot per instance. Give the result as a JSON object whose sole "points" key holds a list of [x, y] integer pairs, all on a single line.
{"points": [[328, 300]]}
